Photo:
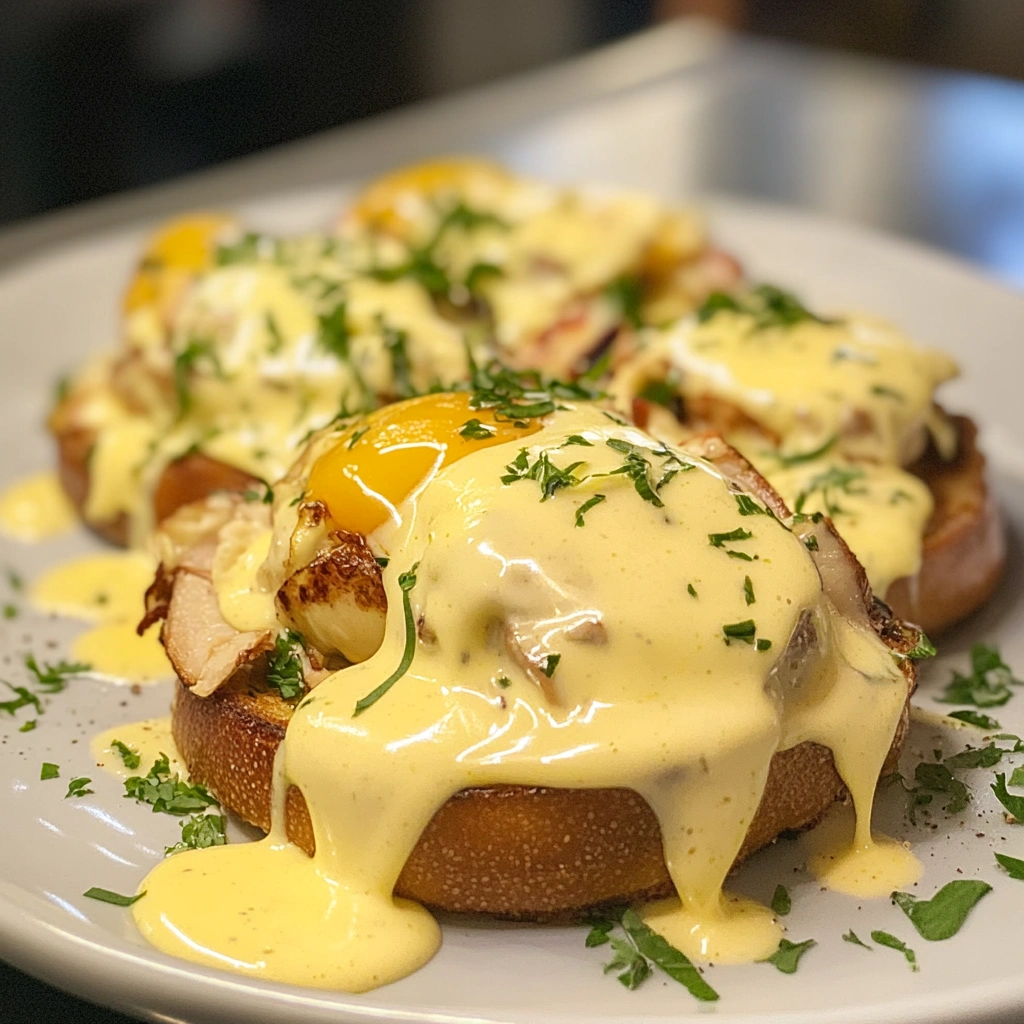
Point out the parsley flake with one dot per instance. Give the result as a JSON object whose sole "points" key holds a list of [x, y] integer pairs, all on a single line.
{"points": [[106, 896], [78, 787], [787, 957], [782, 904], [586, 507], [943, 915], [284, 667], [49, 771], [890, 941]]}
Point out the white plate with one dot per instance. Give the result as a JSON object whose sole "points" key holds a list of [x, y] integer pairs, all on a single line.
{"points": [[58, 308]]}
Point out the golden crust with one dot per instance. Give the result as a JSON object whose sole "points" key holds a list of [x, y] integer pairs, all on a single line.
{"points": [[964, 543]]}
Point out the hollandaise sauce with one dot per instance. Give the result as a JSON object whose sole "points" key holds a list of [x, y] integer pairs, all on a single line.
{"points": [[107, 592], [829, 410], [35, 508], [576, 606]]}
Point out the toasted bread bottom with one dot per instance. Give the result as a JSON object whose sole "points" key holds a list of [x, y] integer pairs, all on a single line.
{"points": [[518, 852], [964, 548]]}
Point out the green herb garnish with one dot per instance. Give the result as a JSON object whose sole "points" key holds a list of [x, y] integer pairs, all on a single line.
{"points": [[474, 430], [787, 957], [106, 896], [942, 916], [284, 667], [54, 678], [78, 787], [186, 363], [782, 904], [748, 591], [586, 507], [28, 726], [49, 771], [1014, 867], [23, 698], [975, 718], [744, 631], [200, 831], [166, 792], [130, 758], [1013, 804], [626, 293], [406, 581], [851, 937], [550, 477], [550, 664], [885, 939], [987, 686]]}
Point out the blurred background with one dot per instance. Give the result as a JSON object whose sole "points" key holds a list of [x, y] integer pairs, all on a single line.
{"points": [[101, 96]]}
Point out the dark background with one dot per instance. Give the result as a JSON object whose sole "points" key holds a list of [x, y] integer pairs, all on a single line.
{"points": [[97, 96]]}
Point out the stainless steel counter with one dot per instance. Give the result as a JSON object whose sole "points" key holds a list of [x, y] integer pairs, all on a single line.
{"points": [[683, 110]]}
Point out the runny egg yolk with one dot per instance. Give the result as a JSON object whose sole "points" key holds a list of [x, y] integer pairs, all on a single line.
{"points": [[181, 248], [397, 450]]}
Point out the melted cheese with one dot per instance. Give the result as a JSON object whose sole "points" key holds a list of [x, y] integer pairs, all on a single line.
{"points": [[35, 508], [106, 590], [647, 692]]}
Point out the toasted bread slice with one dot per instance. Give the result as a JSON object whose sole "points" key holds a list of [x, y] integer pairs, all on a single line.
{"points": [[964, 547], [517, 852]]}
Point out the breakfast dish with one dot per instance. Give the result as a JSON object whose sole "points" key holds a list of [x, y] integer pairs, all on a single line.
{"points": [[840, 415], [572, 631], [348, 642], [234, 345]]}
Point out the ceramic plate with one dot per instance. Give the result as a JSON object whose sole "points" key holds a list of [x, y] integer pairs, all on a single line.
{"points": [[60, 307]]}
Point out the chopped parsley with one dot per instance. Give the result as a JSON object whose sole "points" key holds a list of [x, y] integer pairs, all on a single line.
{"points": [[186, 362], [504, 682], [886, 392], [577, 439], [78, 787], [787, 957], [851, 937], [474, 430], [782, 903], [396, 346], [166, 792], [637, 467], [937, 780], [333, 334], [769, 305], [54, 678], [748, 591], [744, 631], [198, 832], [890, 941], [924, 648], [626, 294], [130, 758], [28, 726], [720, 539], [691, 590], [988, 684], [799, 458], [1013, 804], [550, 477], [828, 482], [10, 611], [1012, 865], [520, 395], [23, 698], [586, 507], [976, 757], [550, 664], [642, 947], [943, 915], [284, 667], [49, 771], [975, 718], [106, 896], [406, 581], [749, 507], [276, 338]]}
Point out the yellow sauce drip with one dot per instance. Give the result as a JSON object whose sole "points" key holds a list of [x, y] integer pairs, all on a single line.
{"points": [[150, 739], [844, 863], [35, 508], [106, 590], [641, 697]]}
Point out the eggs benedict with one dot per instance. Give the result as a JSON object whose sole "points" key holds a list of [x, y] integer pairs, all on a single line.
{"points": [[237, 345], [512, 656], [840, 416]]}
